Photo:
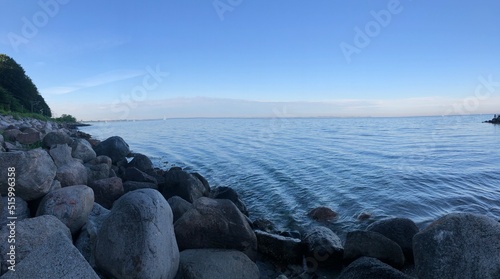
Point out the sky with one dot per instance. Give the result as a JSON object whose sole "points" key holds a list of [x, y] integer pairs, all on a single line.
{"points": [[103, 60]]}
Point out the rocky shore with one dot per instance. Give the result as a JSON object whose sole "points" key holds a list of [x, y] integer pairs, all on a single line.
{"points": [[494, 120], [76, 207]]}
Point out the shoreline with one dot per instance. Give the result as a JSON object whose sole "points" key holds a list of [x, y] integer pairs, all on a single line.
{"points": [[107, 179]]}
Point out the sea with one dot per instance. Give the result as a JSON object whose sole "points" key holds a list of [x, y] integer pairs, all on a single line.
{"points": [[414, 167]]}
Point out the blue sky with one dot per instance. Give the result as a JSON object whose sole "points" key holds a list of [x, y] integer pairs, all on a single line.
{"points": [[242, 58]]}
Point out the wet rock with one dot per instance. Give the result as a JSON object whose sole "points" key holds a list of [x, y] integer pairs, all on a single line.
{"points": [[280, 248], [458, 245], [129, 186], [71, 205], [322, 214], [81, 149], [34, 172], [263, 225], [179, 206], [399, 230], [215, 224], [141, 162], [56, 137], [182, 184], [372, 268], [229, 194], [372, 244], [107, 191], [142, 220], [215, 264], [31, 233], [323, 248], [114, 147]]}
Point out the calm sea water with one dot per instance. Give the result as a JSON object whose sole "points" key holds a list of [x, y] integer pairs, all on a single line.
{"points": [[420, 168]]}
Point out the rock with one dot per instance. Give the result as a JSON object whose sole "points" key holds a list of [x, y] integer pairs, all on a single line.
{"points": [[142, 220], [19, 210], [31, 233], [179, 206], [86, 242], [322, 214], [114, 147], [182, 184], [97, 171], [399, 230], [216, 264], [11, 134], [215, 224], [55, 258], [71, 205], [263, 225], [230, 194], [28, 138], [282, 249], [323, 248], [134, 174], [366, 267], [2, 140], [81, 149], [458, 245], [61, 154], [54, 138], [73, 173], [107, 190], [375, 245], [34, 172], [141, 162], [202, 180], [129, 186]]}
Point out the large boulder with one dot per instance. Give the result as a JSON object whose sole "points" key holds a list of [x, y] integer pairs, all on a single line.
{"points": [[61, 154], [230, 194], [458, 245], [182, 184], [323, 248], [179, 206], [72, 173], [215, 224], [34, 171], [399, 230], [141, 162], [372, 268], [107, 190], [13, 207], [81, 149], [137, 238], [98, 168], [114, 147], [282, 249], [54, 138], [372, 244], [29, 137], [71, 205], [216, 264], [29, 234]]}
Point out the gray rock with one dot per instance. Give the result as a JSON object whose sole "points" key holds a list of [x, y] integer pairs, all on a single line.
{"points": [[56, 137], [216, 264], [372, 268], [230, 194], [399, 230], [73, 173], [81, 149], [282, 249], [458, 245], [13, 207], [61, 154], [55, 258], [107, 190], [141, 162], [71, 205], [129, 186], [179, 206], [29, 234], [97, 171], [86, 242], [34, 172], [372, 244], [142, 220], [323, 248], [134, 174], [28, 138], [215, 224], [114, 147], [182, 184]]}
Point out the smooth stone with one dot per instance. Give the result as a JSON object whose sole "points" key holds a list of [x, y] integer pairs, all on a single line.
{"points": [[72, 173], [81, 149], [107, 191], [114, 147], [229, 194], [323, 248], [56, 137], [141, 162], [182, 184], [179, 206]]}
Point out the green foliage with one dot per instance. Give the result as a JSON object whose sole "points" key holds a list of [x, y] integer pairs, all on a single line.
{"points": [[18, 93], [66, 118]]}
